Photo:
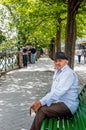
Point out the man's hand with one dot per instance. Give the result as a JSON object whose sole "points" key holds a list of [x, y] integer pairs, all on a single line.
{"points": [[35, 106]]}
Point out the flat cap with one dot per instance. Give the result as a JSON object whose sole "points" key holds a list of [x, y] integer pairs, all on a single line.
{"points": [[60, 55]]}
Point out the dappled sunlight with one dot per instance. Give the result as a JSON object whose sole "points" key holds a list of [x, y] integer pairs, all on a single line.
{"points": [[18, 89], [2, 102], [80, 68]]}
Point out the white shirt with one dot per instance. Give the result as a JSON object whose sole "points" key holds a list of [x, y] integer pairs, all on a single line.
{"points": [[79, 52], [64, 89]]}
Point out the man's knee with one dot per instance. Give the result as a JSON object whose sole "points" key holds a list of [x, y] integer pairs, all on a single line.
{"points": [[42, 108]]}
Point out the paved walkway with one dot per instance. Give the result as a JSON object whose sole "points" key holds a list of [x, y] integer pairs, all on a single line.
{"points": [[20, 87]]}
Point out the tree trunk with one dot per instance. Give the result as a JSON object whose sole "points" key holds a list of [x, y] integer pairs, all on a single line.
{"points": [[58, 37], [52, 48], [70, 38], [73, 6]]}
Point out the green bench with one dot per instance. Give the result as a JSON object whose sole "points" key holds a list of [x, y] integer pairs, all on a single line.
{"points": [[77, 122]]}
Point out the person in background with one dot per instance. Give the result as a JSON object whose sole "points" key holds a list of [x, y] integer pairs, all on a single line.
{"points": [[25, 57], [38, 53], [29, 53], [62, 100], [33, 55], [79, 54], [84, 53]]}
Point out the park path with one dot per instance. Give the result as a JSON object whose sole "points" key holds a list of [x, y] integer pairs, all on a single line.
{"points": [[20, 87]]}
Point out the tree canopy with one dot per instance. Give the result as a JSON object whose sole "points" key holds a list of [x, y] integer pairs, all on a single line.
{"points": [[36, 22]]}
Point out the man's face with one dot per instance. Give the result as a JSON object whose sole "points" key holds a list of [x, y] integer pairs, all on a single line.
{"points": [[60, 63]]}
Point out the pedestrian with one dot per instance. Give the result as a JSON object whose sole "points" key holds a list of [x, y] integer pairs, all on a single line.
{"points": [[29, 54], [38, 52], [25, 57], [33, 55], [79, 54], [84, 53], [62, 100]]}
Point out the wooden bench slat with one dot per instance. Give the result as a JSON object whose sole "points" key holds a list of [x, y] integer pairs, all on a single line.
{"points": [[70, 124], [50, 126], [55, 124], [82, 115], [60, 121], [80, 122], [75, 124], [44, 124], [66, 124]]}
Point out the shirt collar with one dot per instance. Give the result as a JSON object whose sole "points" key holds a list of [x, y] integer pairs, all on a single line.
{"points": [[66, 66], [62, 68]]}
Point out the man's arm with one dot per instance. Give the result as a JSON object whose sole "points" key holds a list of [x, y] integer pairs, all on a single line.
{"points": [[61, 87]]}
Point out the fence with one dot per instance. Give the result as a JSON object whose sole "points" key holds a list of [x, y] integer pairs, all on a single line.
{"points": [[8, 61]]}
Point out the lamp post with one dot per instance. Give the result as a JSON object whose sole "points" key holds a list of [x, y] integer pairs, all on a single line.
{"points": [[19, 52]]}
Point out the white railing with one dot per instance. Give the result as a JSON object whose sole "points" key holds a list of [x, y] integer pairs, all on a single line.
{"points": [[8, 61]]}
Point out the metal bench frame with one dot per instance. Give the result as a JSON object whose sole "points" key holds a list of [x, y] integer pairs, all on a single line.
{"points": [[77, 122]]}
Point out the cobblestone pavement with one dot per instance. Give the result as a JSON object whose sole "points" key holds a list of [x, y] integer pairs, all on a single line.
{"points": [[20, 87]]}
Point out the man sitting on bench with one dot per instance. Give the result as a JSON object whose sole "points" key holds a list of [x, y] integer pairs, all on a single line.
{"points": [[62, 100]]}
